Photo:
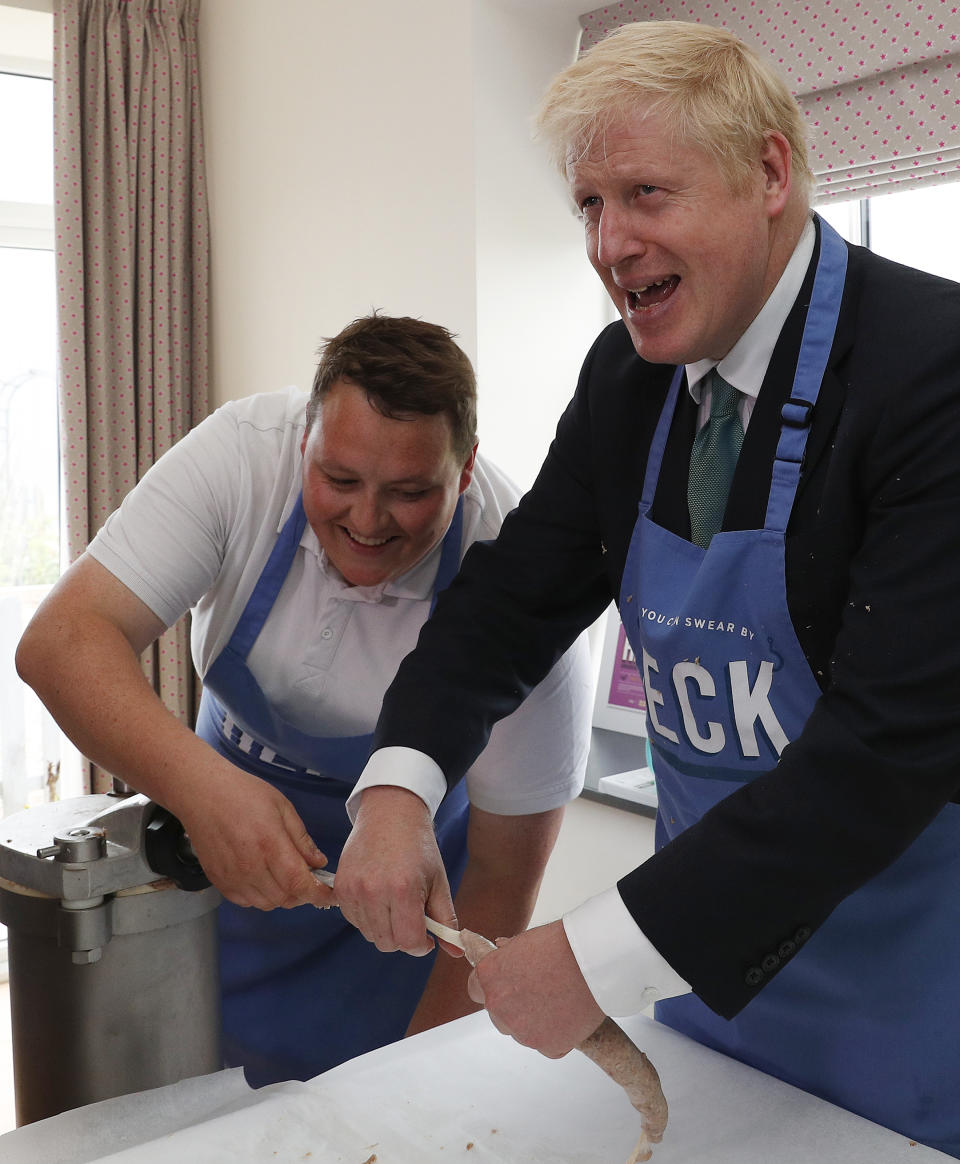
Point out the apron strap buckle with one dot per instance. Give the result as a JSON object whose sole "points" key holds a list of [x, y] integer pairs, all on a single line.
{"points": [[796, 412]]}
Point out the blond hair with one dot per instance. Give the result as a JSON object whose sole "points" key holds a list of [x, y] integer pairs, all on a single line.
{"points": [[714, 91]]}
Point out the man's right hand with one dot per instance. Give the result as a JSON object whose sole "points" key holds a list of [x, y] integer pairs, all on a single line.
{"points": [[247, 836], [391, 873], [251, 841]]}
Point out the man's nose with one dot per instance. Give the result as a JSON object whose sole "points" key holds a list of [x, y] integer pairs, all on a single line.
{"points": [[367, 513], [618, 238]]}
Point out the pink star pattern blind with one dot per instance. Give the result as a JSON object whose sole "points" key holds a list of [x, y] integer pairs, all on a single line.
{"points": [[878, 81]]}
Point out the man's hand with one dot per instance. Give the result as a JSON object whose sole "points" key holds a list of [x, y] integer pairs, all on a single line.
{"points": [[533, 990], [391, 874], [251, 842], [498, 890]]}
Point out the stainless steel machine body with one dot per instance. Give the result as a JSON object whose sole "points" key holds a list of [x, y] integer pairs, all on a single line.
{"points": [[112, 949]]}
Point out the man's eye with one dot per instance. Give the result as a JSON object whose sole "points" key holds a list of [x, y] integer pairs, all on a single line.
{"points": [[411, 494], [588, 207], [646, 190]]}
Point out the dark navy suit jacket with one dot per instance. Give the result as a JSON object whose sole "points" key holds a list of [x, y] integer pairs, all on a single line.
{"points": [[873, 583]]}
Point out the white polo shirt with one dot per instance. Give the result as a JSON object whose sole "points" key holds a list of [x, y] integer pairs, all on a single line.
{"points": [[196, 533]]}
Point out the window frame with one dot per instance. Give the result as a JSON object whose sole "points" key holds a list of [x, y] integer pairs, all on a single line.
{"points": [[27, 225]]}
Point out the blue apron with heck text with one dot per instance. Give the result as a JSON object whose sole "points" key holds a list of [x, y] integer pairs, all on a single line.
{"points": [[302, 990], [866, 1015]]}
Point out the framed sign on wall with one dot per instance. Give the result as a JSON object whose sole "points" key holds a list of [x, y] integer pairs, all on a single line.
{"points": [[620, 704], [620, 711]]}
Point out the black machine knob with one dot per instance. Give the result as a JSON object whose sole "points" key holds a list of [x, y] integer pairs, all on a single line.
{"points": [[168, 852]]}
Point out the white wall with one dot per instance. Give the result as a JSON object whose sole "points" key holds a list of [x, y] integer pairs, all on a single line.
{"points": [[539, 303], [340, 167], [379, 154]]}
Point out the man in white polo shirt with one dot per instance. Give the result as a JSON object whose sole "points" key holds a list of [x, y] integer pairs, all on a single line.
{"points": [[310, 537]]}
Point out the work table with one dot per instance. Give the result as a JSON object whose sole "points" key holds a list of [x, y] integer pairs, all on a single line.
{"points": [[465, 1092]]}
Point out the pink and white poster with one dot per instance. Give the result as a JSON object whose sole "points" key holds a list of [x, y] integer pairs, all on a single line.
{"points": [[620, 702], [626, 685]]}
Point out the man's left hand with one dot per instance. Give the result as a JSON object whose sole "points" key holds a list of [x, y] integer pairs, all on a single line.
{"points": [[390, 873], [533, 990]]}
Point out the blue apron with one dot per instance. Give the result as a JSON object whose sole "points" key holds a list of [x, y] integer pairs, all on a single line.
{"points": [[728, 686], [302, 990]]}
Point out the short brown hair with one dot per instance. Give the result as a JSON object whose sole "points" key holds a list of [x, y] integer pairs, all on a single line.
{"points": [[406, 367], [715, 91]]}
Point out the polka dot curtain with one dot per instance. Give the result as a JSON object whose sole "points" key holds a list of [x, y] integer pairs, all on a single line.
{"points": [[878, 81], [132, 265]]}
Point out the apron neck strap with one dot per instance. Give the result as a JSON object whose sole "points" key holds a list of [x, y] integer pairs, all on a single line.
{"points": [[450, 553], [796, 414], [659, 442], [271, 580]]}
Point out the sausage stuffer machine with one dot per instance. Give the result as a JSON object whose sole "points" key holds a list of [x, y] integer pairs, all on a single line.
{"points": [[112, 947]]}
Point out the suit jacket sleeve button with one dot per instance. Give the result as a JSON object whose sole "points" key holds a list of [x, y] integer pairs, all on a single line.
{"points": [[802, 934], [787, 949], [754, 976], [770, 963]]}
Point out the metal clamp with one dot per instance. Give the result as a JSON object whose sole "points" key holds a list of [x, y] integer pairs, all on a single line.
{"points": [[77, 845], [83, 927]]}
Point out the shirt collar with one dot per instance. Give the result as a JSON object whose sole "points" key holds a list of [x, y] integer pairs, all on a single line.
{"points": [[745, 365]]}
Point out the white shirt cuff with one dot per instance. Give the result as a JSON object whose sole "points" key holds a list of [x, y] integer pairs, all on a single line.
{"points": [[402, 768], [624, 970]]}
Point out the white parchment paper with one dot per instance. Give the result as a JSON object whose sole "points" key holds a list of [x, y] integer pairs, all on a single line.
{"points": [[466, 1093]]}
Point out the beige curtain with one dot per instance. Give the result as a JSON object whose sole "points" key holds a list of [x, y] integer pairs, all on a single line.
{"points": [[132, 265], [877, 82]]}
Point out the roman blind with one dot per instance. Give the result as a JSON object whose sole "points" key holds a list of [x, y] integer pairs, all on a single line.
{"points": [[878, 82]]}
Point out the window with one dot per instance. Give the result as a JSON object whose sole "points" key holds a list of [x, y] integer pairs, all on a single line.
{"points": [[36, 763], [915, 227]]}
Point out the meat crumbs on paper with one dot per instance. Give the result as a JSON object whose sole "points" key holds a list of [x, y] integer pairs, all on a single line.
{"points": [[371, 1159]]}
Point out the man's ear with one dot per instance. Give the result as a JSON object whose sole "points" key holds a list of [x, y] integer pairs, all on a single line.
{"points": [[306, 430], [777, 162], [466, 474]]}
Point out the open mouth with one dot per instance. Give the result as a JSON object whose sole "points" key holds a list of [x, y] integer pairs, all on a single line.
{"points": [[653, 294], [367, 543]]}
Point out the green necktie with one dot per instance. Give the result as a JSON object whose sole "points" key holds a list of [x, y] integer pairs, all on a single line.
{"points": [[714, 457]]}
